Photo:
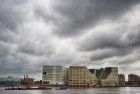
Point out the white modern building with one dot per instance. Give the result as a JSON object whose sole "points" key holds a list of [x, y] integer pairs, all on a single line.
{"points": [[52, 75]]}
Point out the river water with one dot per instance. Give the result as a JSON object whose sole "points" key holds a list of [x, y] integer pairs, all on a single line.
{"points": [[124, 90]]}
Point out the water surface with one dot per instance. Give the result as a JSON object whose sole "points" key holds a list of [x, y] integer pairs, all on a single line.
{"points": [[124, 90]]}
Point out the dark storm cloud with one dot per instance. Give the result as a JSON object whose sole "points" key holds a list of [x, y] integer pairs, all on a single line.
{"points": [[14, 62], [45, 15], [118, 45], [100, 41], [16, 50], [28, 32], [123, 40], [75, 16], [10, 17], [108, 53], [133, 38], [32, 48], [8, 59]]}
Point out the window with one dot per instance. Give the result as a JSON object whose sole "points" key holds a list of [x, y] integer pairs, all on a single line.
{"points": [[44, 73]]}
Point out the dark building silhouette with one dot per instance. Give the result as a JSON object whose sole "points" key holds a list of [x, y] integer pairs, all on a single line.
{"points": [[27, 82], [133, 80]]}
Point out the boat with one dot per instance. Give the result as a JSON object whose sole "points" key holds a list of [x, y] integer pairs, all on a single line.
{"points": [[62, 88]]}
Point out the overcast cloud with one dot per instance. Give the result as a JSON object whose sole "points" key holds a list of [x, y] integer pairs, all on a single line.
{"points": [[95, 33]]}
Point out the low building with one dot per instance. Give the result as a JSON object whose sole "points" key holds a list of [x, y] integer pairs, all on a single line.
{"points": [[38, 82], [52, 75], [80, 76], [121, 79], [133, 80], [27, 82], [10, 81]]}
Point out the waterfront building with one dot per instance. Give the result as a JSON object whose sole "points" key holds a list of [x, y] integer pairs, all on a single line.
{"points": [[106, 76], [98, 73], [109, 77], [80, 76], [38, 82], [121, 79], [52, 75], [10, 81], [133, 80], [26, 81]]}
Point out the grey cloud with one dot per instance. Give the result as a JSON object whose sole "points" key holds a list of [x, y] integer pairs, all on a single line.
{"points": [[133, 37], [10, 18], [49, 18], [130, 58], [102, 54], [115, 40], [70, 19], [8, 59], [117, 46], [75, 16], [101, 41], [39, 49], [120, 43], [14, 62]]}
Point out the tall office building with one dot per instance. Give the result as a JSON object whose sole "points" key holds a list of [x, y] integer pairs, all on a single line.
{"points": [[79, 76], [52, 75]]}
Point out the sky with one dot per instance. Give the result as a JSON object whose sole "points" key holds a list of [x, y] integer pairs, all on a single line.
{"points": [[93, 33]]}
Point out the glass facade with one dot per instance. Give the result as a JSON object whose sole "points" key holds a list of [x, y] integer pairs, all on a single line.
{"points": [[52, 75], [80, 76], [9, 81]]}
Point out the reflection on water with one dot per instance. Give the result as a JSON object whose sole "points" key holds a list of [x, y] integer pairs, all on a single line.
{"points": [[125, 90]]}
